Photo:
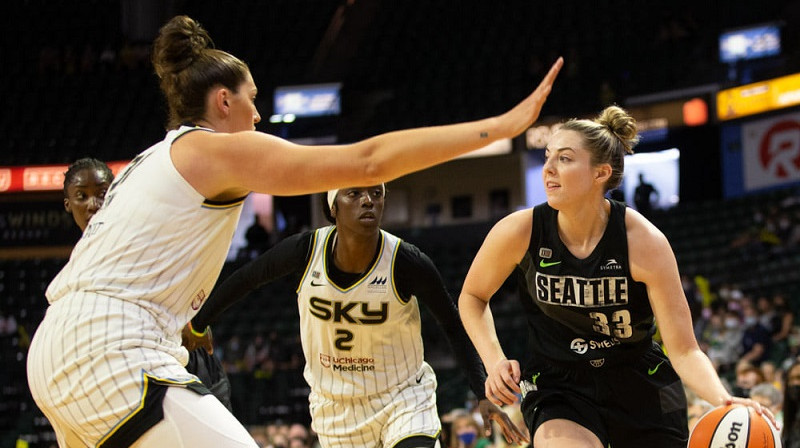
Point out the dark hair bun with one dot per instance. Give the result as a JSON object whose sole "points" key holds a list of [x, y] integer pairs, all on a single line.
{"points": [[179, 43]]}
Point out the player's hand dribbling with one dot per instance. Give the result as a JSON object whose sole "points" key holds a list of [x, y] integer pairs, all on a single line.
{"points": [[191, 341], [512, 433], [502, 382], [760, 410]]}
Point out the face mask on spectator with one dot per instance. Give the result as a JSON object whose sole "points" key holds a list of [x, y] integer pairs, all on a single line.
{"points": [[467, 437], [794, 393]]}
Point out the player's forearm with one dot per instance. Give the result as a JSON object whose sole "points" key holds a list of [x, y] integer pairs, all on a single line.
{"points": [[479, 324], [697, 372], [398, 153]]}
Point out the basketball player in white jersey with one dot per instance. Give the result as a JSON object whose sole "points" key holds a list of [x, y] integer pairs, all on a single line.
{"points": [[358, 292], [106, 365], [86, 182]]}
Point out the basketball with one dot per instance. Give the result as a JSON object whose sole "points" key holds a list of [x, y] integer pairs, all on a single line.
{"points": [[734, 426]]}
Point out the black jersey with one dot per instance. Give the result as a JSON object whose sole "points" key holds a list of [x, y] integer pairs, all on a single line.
{"points": [[583, 312]]}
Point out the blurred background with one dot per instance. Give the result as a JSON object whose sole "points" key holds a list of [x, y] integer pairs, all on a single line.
{"points": [[714, 86]]}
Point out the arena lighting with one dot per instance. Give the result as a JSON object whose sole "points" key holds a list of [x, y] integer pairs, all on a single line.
{"points": [[285, 118], [309, 100], [15, 179], [695, 112], [750, 42]]}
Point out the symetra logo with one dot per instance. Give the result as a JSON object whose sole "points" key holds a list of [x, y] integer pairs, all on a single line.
{"points": [[544, 264], [611, 264]]}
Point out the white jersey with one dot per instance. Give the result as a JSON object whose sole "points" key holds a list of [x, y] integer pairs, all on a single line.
{"points": [[361, 340], [142, 269]]}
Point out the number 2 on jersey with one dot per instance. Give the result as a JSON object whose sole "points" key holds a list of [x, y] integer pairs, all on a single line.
{"points": [[343, 337]]}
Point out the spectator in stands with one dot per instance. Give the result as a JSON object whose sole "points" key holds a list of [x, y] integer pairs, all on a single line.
{"points": [[747, 377], [258, 239], [784, 323], [770, 397], [299, 436], [359, 290], [772, 374], [790, 432], [756, 339], [154, 251], [643, 196], [466, 433], [594, 278], [722, 339]]}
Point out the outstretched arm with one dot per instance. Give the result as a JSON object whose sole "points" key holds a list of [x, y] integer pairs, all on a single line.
{"points": [[220, 165]]}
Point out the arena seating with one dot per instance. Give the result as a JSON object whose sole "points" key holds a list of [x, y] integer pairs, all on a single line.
{"points": [[417, 64], [701, 235]]}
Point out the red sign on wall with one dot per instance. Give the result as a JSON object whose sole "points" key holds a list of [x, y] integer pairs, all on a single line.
{"points": [[15, 179]]}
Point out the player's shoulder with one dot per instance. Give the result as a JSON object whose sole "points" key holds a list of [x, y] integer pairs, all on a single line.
{"points": [[648, 247], [640, 229], [516, 224], [410, 251]]}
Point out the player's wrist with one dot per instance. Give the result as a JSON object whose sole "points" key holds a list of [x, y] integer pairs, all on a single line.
{"points": [[199, 334]]}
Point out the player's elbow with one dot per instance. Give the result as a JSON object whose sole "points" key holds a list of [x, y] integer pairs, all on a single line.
{"points": [[374, 167]]}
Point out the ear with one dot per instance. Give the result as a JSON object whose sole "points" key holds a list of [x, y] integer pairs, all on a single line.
{"points": [[66, 205], [333, 210], [221, 101], [603, 173]]}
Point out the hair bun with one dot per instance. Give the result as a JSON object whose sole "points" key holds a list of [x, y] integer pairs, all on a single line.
{"points": [[179, 43], [621, 124]]}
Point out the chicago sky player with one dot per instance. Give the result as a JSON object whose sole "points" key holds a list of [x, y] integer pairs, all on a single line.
{"points": [[358, 296]]}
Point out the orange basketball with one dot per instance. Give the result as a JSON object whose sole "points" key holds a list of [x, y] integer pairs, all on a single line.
{"points": [[734, 426]]}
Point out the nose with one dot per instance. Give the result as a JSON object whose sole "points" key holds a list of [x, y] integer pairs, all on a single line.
{"points": [[548, 165], [368, 201], [94, 204], [257, 117]]}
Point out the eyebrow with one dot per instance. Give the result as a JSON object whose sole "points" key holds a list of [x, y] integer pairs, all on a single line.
{"points": [[564, 148]]}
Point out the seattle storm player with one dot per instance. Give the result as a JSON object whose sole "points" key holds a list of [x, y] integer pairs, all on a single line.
{"points": [[360, 326], [595, 277]]}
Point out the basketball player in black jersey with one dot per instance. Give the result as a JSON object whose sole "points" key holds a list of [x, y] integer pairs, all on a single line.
{"points": [[595, 277], [353, 251]]}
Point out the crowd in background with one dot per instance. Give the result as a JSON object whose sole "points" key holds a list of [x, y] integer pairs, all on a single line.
{"points": [[751, 336]]}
